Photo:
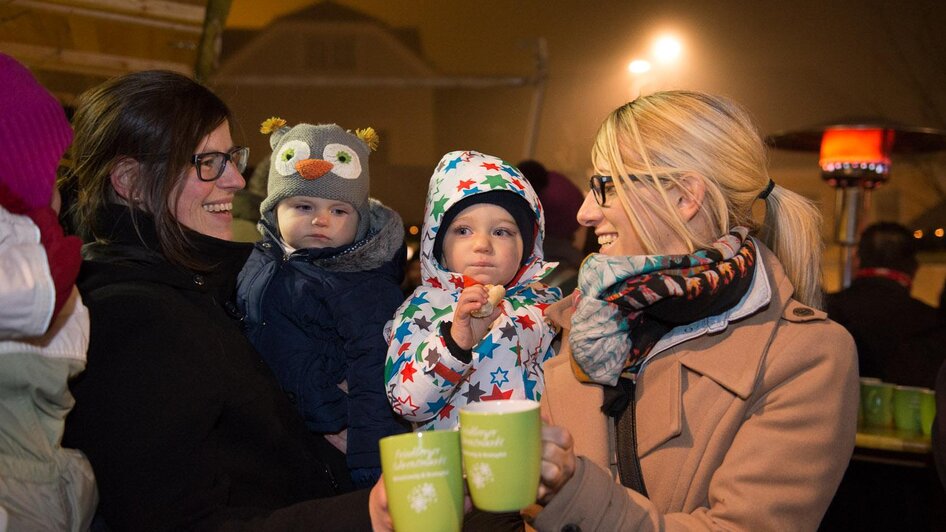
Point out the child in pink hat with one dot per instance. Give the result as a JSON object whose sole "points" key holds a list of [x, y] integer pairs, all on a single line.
{"points": [[44, 327]]}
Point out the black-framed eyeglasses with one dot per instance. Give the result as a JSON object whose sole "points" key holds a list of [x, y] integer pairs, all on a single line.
{"points": [[603, 187], [211, 165]]}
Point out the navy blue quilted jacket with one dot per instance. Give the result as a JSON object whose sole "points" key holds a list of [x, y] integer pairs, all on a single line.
{"points": [[316, 317]]}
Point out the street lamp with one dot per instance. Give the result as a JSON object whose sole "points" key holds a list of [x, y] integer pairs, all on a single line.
{"points": [[638, 66], [665, 52], [667, 49]]}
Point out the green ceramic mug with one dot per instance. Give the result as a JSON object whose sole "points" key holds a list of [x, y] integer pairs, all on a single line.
{"points": [[502, 453], [877, 403], [927, 411], [906, 408], [423, 480]]}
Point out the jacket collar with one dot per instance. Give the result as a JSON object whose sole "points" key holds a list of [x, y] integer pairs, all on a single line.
{"points": [[131, 252], [738, 373], [383, 243], [760, 309]]}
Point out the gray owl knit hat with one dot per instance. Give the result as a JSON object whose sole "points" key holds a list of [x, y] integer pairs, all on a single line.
{"points": [[323, 161]]}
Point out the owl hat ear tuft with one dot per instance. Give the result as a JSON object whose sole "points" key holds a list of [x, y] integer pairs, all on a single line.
{"points": [[275, 127], [369, 136]]}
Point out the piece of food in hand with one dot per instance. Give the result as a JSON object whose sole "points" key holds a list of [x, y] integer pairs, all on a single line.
{"points": [[495, 294]]}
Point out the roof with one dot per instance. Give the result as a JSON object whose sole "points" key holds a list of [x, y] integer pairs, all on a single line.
{"points": [[71, 45], [320, 13]]}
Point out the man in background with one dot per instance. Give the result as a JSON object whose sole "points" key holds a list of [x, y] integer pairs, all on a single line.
{"points": [[899, 338]]}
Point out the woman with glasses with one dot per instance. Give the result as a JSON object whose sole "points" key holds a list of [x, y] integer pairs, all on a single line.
{"points": [[701, 386], [184, 425]]}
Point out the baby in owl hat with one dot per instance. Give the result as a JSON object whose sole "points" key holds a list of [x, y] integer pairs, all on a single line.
{"points": [[320, 285]]}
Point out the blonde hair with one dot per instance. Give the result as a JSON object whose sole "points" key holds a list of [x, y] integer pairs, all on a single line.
{"points": [[667, 138]]}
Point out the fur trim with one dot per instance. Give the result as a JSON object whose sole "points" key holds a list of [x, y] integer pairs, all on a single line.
{"points": [[385, 237]]}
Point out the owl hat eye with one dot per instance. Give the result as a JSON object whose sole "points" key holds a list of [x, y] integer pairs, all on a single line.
{"points": [[289, 154], [345, 161]]}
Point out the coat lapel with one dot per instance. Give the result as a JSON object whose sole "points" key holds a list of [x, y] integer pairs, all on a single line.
{"points": [[576, 404], [660, 394]]}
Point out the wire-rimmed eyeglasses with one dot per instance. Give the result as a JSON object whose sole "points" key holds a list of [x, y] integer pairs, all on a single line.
{"points": [[211, 165]]}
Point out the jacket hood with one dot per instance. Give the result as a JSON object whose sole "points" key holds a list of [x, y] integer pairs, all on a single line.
{"points": [[384, 239], [461, 174]]}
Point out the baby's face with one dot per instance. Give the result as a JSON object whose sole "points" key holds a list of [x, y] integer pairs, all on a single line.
{"points": [[483, 242], [309, 222]]}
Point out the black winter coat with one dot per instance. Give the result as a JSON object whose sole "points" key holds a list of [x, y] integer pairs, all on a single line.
{"points": [[317, 318], [899, 339], [185, 426]]}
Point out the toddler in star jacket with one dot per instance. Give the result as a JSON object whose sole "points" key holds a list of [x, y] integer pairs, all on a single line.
{"points": [[483, 225]]}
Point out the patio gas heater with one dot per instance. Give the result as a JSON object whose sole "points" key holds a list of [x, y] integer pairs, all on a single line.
{"points": [[855, 159]]}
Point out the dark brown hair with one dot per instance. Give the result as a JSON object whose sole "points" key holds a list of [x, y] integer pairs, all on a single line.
{"points": [[888, 245], [157, 118]]}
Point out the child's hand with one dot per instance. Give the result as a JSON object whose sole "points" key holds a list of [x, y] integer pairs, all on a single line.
{"points": [[467, 329]]}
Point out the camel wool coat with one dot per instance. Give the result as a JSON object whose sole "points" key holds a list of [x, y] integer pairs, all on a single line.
{"points": [[747, 428]]}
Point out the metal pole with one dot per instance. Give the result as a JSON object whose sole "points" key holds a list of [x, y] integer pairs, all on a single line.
{"points": [[849, 209], [538, 97]]}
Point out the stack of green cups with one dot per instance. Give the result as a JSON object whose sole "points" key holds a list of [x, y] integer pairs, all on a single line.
{"points": [[877, 403], [927, 411], [906, 408], [909, 409]]}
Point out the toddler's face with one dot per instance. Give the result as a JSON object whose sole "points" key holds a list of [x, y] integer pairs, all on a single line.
{"points": [[308, 222], [484, 243]]}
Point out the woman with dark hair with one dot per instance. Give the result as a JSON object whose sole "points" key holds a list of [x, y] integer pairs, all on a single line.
{"points": [[183, 423]]}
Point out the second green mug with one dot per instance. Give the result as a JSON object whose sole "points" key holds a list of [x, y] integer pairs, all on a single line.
{"points": [[502, 453]]}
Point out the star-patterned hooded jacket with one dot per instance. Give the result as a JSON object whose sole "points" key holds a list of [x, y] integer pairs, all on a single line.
{"points": [[426, 384]]}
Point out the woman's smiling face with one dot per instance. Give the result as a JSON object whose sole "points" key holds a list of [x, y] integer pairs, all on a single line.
{"points": [[206, 207], [613, 229]]}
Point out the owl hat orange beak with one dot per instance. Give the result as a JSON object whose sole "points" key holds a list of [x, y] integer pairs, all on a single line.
{"points": [[313, 168]]}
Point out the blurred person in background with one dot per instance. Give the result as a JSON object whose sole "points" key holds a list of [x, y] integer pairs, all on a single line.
{"points": [[899, 338], [560, 200]]}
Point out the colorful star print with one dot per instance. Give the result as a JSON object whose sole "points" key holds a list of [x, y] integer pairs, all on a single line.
{"points": [[497, 394], [495, 181], [402, 331], [499, 377], [525, 321], [485, 348], [452, 165], [407, 374], [506, 362], [439, 207]]}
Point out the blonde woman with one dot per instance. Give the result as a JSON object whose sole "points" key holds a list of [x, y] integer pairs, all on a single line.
{"points": [[703, 387]]}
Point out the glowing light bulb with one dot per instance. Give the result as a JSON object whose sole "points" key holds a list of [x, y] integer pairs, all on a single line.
{"points": [[638, 66], [667, 49]]}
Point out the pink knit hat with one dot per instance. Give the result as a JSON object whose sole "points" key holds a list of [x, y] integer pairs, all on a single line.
{"points": [[34, 133]]}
